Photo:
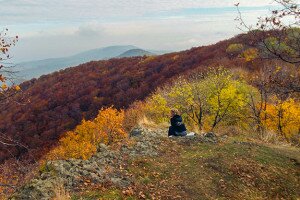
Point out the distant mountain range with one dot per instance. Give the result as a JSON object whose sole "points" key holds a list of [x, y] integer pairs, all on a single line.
{"points": [[35, 69], [135, 52]]}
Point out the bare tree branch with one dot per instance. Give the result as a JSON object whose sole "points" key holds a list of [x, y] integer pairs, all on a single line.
{"points": [[278, 38]]}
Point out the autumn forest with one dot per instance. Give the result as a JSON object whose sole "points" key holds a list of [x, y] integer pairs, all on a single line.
{"points": [[245, 86]]}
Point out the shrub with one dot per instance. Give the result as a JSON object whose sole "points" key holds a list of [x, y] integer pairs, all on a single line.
{"points": [[250, 54], [133, 115], [234, 49], [82, 142], [109, 124]]}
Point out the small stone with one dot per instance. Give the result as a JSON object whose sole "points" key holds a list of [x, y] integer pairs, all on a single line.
{"points": [[210, 135], [102, 147], [136, 132]]}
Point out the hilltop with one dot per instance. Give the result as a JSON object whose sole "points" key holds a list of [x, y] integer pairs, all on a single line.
{"points": [[55, 103], [73, 125], [220, 121], [35, 69], [135, 52], [151, 166]]}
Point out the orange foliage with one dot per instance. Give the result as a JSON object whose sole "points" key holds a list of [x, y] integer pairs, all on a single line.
{"points": [[44, 113], [82, 142], [284, 118], [110, 123]]}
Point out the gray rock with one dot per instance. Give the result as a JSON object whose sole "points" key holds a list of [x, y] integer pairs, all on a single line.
{"points": [[38, 189], [73, 172], [136, 132], [120, 182], [210, 135]]}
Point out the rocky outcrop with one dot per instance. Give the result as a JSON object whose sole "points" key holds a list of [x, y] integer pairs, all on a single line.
{"points": [[105, 167]]}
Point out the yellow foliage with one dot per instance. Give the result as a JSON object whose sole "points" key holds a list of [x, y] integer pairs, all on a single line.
{"points": [[83, 141], [17, 88], [250, 54], [4, 86], [202, 102], [234, 48], [284, 117], [156, 108], [110, 123]]}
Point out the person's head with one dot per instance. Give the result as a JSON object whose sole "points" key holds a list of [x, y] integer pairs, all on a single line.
{"points": [[174, 112]]}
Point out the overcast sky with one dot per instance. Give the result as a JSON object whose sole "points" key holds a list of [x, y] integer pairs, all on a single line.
{"points": [[59, 28]]}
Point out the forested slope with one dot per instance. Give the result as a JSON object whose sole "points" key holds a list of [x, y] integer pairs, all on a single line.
{"points": [[55, 103]]}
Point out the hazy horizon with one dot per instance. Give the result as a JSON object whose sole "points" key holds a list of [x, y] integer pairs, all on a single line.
{"points": [[64, 28]]}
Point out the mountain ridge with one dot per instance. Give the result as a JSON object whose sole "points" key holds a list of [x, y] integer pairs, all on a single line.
{"points": [[57, 102], [34, 69]]}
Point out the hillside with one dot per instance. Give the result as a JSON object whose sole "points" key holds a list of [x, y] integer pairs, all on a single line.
{"points": [[34, 69], [57, 102], [135, 52], [201, 167]]}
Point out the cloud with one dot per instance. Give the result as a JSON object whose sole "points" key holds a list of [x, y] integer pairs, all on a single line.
{"points": [[55, 28], [38, 11], [169, 33], [90, 29]]}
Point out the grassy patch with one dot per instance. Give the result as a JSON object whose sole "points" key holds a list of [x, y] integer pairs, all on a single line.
{"points": [[233, 170], [270, 157], [112, 194]]}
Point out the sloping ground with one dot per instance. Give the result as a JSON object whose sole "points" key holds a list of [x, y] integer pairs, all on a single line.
{"points": [[228, 171], [151, 166], [55, 103]]}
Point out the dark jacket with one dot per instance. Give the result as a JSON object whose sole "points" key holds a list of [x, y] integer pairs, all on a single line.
{"points": [[177, 127]]}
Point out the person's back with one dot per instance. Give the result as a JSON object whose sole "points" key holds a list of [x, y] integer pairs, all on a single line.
{"points": [[177, 127]]}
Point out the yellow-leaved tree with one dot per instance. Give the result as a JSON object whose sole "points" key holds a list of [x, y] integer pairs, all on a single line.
{"points": [[203, 102], [226, 98], [82, 142], [284, 118], [109, 123], [156, 108]]}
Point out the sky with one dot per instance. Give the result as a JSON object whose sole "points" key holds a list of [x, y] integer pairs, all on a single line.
{"points": [[59, 28]]}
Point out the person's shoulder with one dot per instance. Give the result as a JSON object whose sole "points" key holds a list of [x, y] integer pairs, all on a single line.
{"points": [[177, 117]]}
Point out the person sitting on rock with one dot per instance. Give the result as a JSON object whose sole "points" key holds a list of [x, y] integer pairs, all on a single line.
{"points": [[177, 127]]}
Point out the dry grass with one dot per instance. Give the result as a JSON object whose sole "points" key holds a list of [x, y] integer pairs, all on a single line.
{"points": [[61, 193], [219, 171], [145, 122], [272, 138]]}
